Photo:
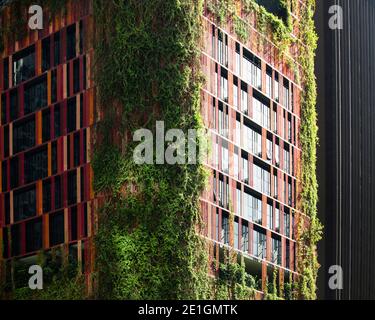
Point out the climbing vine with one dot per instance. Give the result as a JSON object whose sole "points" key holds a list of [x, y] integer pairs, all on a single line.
{"points": [[147, 69]]}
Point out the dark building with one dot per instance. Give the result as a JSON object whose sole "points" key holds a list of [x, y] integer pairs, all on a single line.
{"points": [[345, 72]]}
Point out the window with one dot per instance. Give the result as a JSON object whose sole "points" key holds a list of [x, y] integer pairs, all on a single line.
{"points": [[224, 85], [252, 141], [71, 42], [57, 120], [34, 235], [73, 223], [277, 219], [275, 180], [256, 210], [238, 59], [14, 172], [245, 237], [222, 48], [252, 69], [58, 192], [35, 95], [36, 164], [225, 229], [261, 113], [4, 176], [46, 54], [6, 141], [3, 109], [286, 161], [46, 125], [262, 179], [24, 65], [269, 150], [236, 240], [286, 96], [287, 224], [6, 73], [72, 187], [56, 228], [56, 46], [245, 171], [71, 114], [269, 216], [277, 155], [235, 93], [53, 86], [75, 76], [235, 165], [76, 149], [276, 251], [239, 201], [46, 196], [15, 233], [269, 82], [260, 244], [23, 134], [244, 104], [225, 158], [276, 87], [274, 115], [13, 104], [24, 202]]}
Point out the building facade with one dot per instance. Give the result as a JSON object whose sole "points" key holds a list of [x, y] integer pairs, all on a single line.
{"points": [[250, 105], [47, 114]]}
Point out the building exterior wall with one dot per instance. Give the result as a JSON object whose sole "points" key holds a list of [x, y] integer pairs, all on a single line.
{"points": [[229, 184], [46, 191]]}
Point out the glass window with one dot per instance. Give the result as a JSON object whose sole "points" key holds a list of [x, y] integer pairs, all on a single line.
{"points": [[235, 165], [71, 42], [24, 134], [72, 187], [56, 46], [239, 202], [14, 173], [276, 251], [236, 235], [6, 73], [46, 196], [245, 171], [245, 237], [269, 216], [36, 164], [56, 228], [24, 65], [13, 104], [259, 245], [46, 54], [72, 115], [238, 59], [75, 76], [24, 203], [225, 159], [46, 125], [35, 95], [15, 233], [3, 109], [58, 192], [34, 235], [225, 229], [269, 84]]}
